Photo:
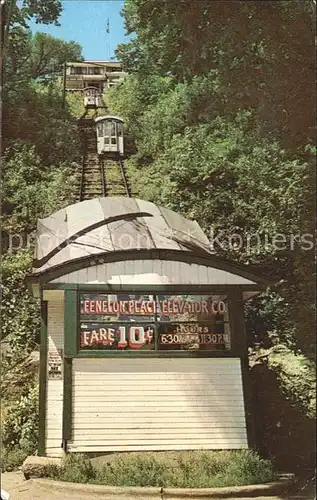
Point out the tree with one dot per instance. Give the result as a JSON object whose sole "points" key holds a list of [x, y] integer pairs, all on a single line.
{"points": [[40, 144], [48, 55], [19, 13], [221, 113], [40, 56], [254, 49]]}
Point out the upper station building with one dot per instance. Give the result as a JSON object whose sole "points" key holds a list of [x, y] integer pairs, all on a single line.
{"points": [[99, 74]]}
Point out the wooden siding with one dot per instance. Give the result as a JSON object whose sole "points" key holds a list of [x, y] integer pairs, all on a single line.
{"points": [[144, 272], [157, 404], [54, 391]]}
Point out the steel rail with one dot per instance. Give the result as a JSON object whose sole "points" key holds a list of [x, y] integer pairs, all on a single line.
{"points": [[82, 180], [103, 177], [124, 177]]}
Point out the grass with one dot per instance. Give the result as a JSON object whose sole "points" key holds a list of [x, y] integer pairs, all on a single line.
{"points": [[12, 459], [75, 103], [196, 469]]}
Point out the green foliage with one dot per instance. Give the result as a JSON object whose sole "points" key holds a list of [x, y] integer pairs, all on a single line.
{"points": [[32, 189], [38, 57], [12, 459], [40, 145], [222, 119], [75, 468], [20, 426], [34, 115], [254, 50], [191, 470], [75, 104], [267, 316], [42, 11], [208, 169], [297, 377], [17, 38], [219, 469], [48, 54], [139, 470], [19, 310], [207, 172]]}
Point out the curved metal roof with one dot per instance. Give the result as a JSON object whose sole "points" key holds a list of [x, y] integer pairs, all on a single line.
{"points": [[108, 117], [91, 87], [114, 224]]}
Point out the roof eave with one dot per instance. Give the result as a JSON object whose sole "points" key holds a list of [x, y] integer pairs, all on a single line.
{"points": [[202, 258]]}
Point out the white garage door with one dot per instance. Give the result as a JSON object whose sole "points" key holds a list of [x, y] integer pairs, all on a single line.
{"points": [[157, 404]]}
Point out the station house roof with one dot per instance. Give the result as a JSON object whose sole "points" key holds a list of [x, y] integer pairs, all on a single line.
{"points": [[114, 229], [114, 224]]}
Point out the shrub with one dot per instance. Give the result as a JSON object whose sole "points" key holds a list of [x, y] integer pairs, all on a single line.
{"points": [[20, 427], [76, 468], [221, 468], [196, 469], [297, 377], [138, 470], [12, 459]]}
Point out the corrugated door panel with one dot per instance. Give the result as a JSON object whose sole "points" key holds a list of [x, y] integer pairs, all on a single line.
{"points": [[157, 404]]}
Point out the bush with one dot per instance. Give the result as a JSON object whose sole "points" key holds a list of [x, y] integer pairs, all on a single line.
{"points": [[75, 104], [297, 377], [219, 469], [20, 426], [194, 469], [138, 470], [76, 468], [20, 313], [12, 459]]}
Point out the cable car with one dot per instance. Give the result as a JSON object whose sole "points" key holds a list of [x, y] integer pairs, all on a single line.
{"points": [[92, 97], [109, 135]]}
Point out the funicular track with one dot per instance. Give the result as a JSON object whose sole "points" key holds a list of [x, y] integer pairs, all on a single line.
{"points": [[99, 177]]}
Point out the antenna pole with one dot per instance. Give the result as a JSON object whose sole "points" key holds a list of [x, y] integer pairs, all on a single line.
{"points": [[108, 40]]}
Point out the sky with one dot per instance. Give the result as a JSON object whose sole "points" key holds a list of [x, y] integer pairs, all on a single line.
{"points": [[84, 21]]}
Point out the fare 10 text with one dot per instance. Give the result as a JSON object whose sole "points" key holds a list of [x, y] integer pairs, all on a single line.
{"points": [[119, 337]]}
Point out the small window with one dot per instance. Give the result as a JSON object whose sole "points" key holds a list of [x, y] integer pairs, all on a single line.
{"points": [[113, 140], [107, 129], [99, 129]]}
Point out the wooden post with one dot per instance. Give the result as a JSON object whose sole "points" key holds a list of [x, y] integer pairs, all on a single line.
{"points": [[67, 402], [64, 86], [240, 347], [43, 378], [70, 349]]}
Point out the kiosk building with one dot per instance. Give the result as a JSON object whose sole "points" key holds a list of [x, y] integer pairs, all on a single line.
{"points": [[143, 343]]}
